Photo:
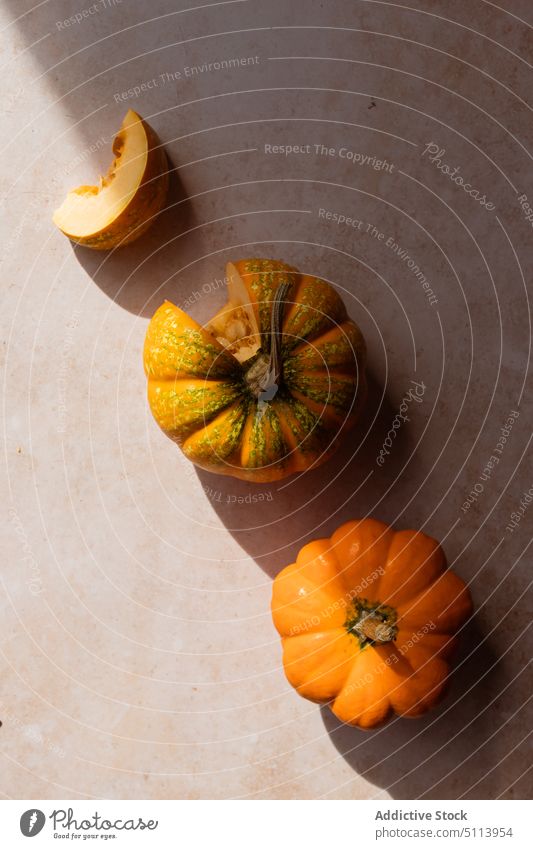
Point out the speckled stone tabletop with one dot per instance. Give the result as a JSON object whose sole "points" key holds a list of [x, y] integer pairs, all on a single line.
{"points": [[138, 656]]}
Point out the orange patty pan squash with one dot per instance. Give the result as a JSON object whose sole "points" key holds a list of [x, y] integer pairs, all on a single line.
{"points": [[268, 385], [367, 620]]}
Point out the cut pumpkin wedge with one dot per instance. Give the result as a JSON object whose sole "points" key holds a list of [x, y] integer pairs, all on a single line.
{"points": [[126, 201]]}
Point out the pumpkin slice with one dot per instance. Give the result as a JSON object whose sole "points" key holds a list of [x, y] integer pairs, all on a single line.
{"points": [[126, 201]]}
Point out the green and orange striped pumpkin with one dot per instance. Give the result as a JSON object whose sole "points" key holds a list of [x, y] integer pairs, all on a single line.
{"points": [[267, 386]]}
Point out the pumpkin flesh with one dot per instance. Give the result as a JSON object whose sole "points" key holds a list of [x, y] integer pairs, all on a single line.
{"points": [[125, 202]]}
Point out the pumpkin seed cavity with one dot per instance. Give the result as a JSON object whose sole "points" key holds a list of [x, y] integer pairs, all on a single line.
{"points": [[236, 328], [235, 325]]}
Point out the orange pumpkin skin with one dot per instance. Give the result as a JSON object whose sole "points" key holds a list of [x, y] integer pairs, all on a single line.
{"points": [[367, 620], [209, 401]]}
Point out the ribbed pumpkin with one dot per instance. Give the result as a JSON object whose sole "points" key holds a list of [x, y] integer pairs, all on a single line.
{"points": [[265, 389], [367, 619]]}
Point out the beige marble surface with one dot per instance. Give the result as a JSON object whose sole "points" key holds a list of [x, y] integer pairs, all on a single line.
{"points": [[138, 658]]}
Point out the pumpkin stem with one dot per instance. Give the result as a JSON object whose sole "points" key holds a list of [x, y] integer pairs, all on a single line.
{"points": [[375, 629], [276, 318], [371, 622], [263, 377]]}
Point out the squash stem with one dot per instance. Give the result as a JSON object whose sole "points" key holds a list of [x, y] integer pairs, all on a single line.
{"points": [[375, 629], [264, 376], [275, 329], [371, 622]]}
